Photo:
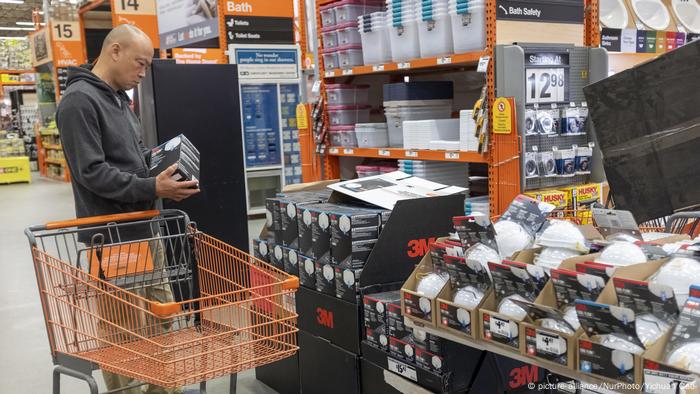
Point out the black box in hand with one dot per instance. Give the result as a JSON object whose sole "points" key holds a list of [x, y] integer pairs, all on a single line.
{"points": [[180, 151]]}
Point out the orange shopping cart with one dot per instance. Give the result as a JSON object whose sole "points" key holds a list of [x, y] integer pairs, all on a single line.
{"points": [[147, 296]]}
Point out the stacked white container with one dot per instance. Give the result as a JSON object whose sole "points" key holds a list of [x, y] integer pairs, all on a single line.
{"points": [[434, 28], [374, 33], [403, 30], [434, 134], [455, 174], [372, 135], [468, 24], [418, 100], [348, 10]]}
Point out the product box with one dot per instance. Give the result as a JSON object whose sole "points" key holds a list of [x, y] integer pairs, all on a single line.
{"points": [[180, 151], [415, 306], [475, 229], [660, 375], [403, 349], [583, 196], [304, 228], [354, 232], [307, 272], [261, 250], [325, 278], [605, 317], [289, 223], [458, 319], [347, 282], [320, 232], [442, 248], [508, 278], [397, 326], [375, 307], [277, 256], [428, 342], [273, 220], [290, 258], [561, 199]]}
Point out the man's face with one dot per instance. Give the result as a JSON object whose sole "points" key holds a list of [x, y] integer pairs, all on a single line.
{"points": [[131, 63]]}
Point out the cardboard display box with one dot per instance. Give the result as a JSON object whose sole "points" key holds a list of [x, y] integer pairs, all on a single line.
{"points": [[660, 377], [458, 319], [282, 376], [415, 306], [596, 359]]}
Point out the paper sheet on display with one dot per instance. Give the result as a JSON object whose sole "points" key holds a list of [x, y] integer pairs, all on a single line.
{"points": [[386, 189]]}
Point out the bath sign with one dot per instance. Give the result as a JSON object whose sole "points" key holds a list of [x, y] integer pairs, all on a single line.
{"points": [[566, 11]]}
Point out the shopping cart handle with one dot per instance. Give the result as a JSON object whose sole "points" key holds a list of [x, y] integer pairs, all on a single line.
{"points": [[291, 284], [165, 309], [95, 220]]}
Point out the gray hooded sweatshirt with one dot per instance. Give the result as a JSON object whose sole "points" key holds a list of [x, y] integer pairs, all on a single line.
{"points": [[103, 146]]}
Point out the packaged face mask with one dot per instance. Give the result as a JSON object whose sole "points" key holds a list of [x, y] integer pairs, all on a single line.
{"points": [[583, 159], [530, 121], [547, 164], [571, 121], [531, 167], [566, 162], [548, 121]]}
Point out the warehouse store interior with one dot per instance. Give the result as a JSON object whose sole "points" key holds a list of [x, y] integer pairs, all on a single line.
{"points": [[350, 196]]}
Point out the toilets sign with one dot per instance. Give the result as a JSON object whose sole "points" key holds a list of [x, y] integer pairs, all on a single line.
{"points": [[567, 11]]}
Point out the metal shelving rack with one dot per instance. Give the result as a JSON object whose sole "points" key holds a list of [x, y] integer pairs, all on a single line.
{"points": [[503, 156]]}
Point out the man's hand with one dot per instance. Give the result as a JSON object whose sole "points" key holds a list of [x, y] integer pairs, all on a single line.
{"points": [[166, 187]]}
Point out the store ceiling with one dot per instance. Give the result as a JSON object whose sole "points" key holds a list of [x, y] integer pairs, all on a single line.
{"points": [[12, 13]]}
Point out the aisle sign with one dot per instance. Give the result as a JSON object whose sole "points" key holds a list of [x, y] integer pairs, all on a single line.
{"points": [[266, 62], [197, 55], [259, 21], [140, 13], [67, 41], [503, 115]]}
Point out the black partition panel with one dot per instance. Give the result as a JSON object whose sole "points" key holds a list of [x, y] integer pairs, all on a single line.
{"points": [[201, 101]]}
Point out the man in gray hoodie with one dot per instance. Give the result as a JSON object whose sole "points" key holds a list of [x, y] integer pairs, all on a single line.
{"points": [[104, 150]]}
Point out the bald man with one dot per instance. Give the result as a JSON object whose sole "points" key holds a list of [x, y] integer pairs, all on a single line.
{"points": [[109, 166]]}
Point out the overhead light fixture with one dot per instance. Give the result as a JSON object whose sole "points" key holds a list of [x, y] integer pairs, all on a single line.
{"points": [[12, 1], [16, 28], [28, 23], [14, 38]]}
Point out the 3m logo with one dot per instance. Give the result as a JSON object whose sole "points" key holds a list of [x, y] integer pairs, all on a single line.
{"points": [[651, 365], [586, 345], [521, 376], [324, 317], [419, 247]]}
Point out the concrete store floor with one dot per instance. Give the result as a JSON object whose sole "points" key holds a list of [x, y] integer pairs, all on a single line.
{"points": [[25, 360]]}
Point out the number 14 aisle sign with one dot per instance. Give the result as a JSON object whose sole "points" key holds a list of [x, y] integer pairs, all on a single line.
{"points": [[140, 13]]}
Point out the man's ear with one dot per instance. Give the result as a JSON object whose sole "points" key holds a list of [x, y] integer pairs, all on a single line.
{"points": [[115, 51]]}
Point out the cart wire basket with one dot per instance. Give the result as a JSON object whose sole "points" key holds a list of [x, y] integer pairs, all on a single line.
{"points": [[148, 296]]}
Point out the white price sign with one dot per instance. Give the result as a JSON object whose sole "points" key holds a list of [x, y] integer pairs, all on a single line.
{"points": [[451, 155], [384, 152], [404, 65], [545, 85], [444, 60], [378, 68], [410, 153], [551, 344], [500, 327], [329, 74], [348, 152], [347, 71], [662, 382], [402, 369], [333, 151]]}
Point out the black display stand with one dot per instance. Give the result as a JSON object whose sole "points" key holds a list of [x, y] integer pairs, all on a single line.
{"points": [[202, 102], [334, 327]]}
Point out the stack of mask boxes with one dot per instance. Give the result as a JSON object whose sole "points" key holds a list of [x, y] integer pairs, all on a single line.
{"points": [[385, 330], [325, 244]]}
